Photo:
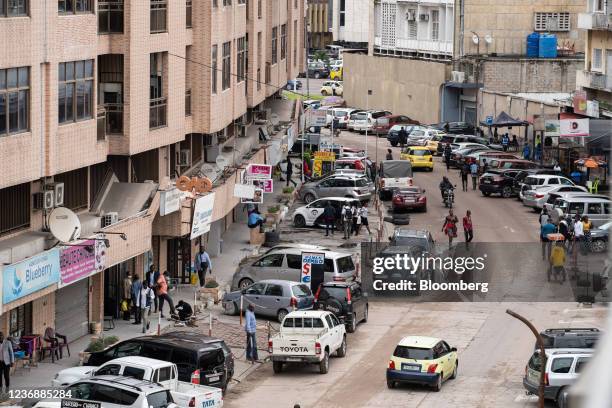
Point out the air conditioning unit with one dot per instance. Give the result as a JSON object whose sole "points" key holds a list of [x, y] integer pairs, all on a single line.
{"points": [[184, 158], [44, 200], [411, 15], [58, 190], [207, 140], [109, 219], [424, 17], [458, 76], [222, 135]]}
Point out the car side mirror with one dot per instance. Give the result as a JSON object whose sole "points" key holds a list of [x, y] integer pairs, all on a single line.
{"points": [[454, 349]]}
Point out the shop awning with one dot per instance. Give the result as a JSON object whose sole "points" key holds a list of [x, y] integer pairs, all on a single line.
{"points": [[127, 199], [463, 85], [505, 120]]}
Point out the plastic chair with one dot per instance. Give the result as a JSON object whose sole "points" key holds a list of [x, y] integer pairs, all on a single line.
{"points": [[595, 186], [54, 344]]}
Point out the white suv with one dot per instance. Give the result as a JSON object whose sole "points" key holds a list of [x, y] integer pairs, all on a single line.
{"points": [[542, 182]]}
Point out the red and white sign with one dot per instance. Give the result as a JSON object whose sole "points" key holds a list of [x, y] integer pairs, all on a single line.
{"points": [[259, 171], [266, 185], [573, 127]]}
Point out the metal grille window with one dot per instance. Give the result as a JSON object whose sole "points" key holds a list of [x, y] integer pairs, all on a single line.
{"points": [[435, 25], [241, 61], [16, 215], [74, 6], [388, 24], [544, 21], [158, 100], [412, 29], [227, 2], [75, 91], [295, 37], [188, 10], [110, 16], [596, 61], [283, 41], [158, 15], [20, 319], [14, 100], [274, 45], [75, 188], [188, 102], [213, 70], [13, 8], [342, 12], [226, 63]]}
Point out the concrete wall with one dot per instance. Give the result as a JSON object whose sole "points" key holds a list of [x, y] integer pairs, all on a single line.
{"points": [[490, 103], [403, 86]]}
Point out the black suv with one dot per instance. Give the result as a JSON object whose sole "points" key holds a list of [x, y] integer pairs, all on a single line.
{"points": [[498, 182], [456, 128], [345, 300], [196, 356], [584, 338]]}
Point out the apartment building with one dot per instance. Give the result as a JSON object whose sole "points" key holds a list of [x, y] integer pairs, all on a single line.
{"points": [[320, 23], [595, 80], [352, 22], [102, 106]]}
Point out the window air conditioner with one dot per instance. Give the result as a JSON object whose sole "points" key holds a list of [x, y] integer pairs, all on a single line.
{"points": [[457, 76], [424, 17], [411, 15], [110, 219], [44, 200], [58, 191]]}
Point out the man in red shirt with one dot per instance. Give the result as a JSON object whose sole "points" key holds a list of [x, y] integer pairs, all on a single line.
{"points": [[162, 294], [468, 229]]}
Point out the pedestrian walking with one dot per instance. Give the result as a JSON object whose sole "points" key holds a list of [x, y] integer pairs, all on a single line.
{"points": [[127, 295], [202, 264], [545, 230], [389, 154], [468, 228], [465, 171], [151, 278], [450, 227], [526, 151], [289, 173], [557, 261], [403, 137], [514, 143], [505, 141], [145, 299], [329, 215], [544, 216], [250, 327], [363, 215], [347, 218], [162, 293], [136, 286], [7, 359], [474, 173], [447, 155], [354, 218], [586, 231]]}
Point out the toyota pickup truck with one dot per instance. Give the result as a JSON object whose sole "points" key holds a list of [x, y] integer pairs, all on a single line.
{"points": [[184, 394], [308, 337], [393, 174]]}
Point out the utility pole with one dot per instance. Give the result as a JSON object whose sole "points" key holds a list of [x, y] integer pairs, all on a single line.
{"points": [[306, 25], [367, 120]]}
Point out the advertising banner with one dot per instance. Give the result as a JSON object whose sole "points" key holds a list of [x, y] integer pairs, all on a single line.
{"points": [[312, 268], [580, 102], [257, 198], [81, 260], [317, 118], [202, 215], [244, 190], [551, 128], [574, 127], [259, 171], [267, 186], [30, 275], [170, 201]]}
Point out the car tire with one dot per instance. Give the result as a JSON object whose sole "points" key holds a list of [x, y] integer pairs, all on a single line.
{"points": [[506, 192], [324, 93], [309, 198], [352, 326], [562, 398], [341, 352], [281, 315], [486, 194], [277, 366], [317, 75], [454, 375], [299, 221], [390, 384], [394, 144], [324, 364], [244, 283], [438, 385], [598, 245], [430, 169], [231, 308], [365, 314]]}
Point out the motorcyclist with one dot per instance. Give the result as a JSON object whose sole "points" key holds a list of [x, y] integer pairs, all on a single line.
{"points": [[445, 185]]}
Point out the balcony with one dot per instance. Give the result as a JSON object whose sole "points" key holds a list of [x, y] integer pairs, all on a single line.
{"points": [[418, 46], [594, 80], [595, 21], [114, 118]]}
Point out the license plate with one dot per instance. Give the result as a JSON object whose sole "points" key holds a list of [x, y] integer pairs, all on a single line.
{"points": [[487, 181], [213, 378], [293, 359], [410, 367]]}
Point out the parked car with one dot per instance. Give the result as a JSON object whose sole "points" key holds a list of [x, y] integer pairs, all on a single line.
{"points": [[487, 156], [460, 156], [499, 163], [419, 157], [497, 182], [393, 134], [419, 136], [312, 214], [562, 369], [385, 123], [393, 174], [454, 138], [538, 196], [599, 237], [406, 237], [113, 391], [303, 247], [309, 337], [552, 197], [409, 198], [331, 88], [458, 128], [566, 338], [293, 84], [341, 116], [345, 300], [336, 73], [318, 71], [533, 182], [519, 179], [597, 209], [270, 297], [365, 120], [200, 359], [311, 103], [336, 186], [286, 264], [184, 394], [422, 360]]}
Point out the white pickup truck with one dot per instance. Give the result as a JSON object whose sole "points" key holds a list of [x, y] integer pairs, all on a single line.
{"points": [[308, 337], [393, 174], [164, 373]]}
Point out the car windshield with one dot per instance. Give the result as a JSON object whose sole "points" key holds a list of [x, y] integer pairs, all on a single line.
{"points": [[339, 114], [301, 290], [359, 116], [411, 190], [332, 292], [420, 153], [161, 399], [361, 182], [410, 241], [345, 264], [415, 353], [417, 133]]}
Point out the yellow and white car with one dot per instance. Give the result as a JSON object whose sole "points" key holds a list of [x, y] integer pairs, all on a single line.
{"points": [[422, 360], [419, 156], [332, 88], [336, 73]]}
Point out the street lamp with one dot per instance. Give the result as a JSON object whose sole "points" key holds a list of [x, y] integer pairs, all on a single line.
{"points": [[367, 120]]}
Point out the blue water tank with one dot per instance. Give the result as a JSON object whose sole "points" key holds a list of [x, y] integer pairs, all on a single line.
{"points": [[548, 46], [533, 45]]}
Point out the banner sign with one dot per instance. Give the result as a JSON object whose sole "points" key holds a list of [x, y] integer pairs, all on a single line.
{"points": [[551, 128], [202, 215], [317, 118], [580, 102], [329, 146], [170, 201], [244, 190], [309, 260], [267, 186], [328, 156], [30, 275], [574, 127], [259, 171], [257, 198], [592, 109], [81, 260]]}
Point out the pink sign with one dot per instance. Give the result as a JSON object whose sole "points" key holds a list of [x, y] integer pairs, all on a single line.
{"points": [[259, 171], [266, 185], [81, 260]]}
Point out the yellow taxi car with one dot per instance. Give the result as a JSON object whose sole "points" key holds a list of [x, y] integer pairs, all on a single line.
{"points": [[422, 360], [336, 74], [419, 156], [432, 144]]}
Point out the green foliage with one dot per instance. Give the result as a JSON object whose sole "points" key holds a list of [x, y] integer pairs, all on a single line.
{"points": [[288, 190], [211, 284], [273, 209]]}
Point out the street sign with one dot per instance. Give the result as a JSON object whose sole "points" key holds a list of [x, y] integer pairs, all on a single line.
{"points": [[489, 120], [317, 118], [312, 269]]}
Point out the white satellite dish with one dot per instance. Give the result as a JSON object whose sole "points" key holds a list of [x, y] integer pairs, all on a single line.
{"points": [[488, 39], [274, 119], [64, 224], [222, 162], [475, 39]]}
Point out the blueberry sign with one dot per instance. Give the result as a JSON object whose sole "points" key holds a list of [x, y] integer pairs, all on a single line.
{"points": [[30, 275]]}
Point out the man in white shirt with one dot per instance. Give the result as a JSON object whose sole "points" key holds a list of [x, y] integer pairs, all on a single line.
{"points": [[578, 237], [145, 298]]}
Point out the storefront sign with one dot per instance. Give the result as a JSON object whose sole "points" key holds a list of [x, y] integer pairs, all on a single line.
{"points": [[257, 198], [170, 201], [267, 186], [317, 118], [328, 156], [244, 190], [84, 259], [30, 275], [202, 215], [580, 102], [592, 109], [551, 128], [574, 127], [308, 260], [259, 171]]}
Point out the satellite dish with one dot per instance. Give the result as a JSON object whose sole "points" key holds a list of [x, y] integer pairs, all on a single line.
{"points": [[221, 162], [475, 39], [274, 119], [488, 39], [64, 224]]}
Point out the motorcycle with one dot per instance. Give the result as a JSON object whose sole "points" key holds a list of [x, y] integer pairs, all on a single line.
{"points": [[449, 197]]}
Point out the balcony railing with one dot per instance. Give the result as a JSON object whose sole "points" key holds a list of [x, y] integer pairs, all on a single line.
{"points": [[595, 21], [157, 112], [426, 46], [114, 118], [594, 80]]}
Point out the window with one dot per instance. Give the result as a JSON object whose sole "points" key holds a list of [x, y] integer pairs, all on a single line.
{"points": [[274, 45], [226, 65], [242, 55], [188, 10], [414, 353], [330, 323], [213, 69], [158, 16], [111, 369], [82, 391], [258, 79], [598, 5], [255, 289], [561, 365], [283, 41], [134, 372], [159, 399], [546, 21], [274, 290], [596, 60], [13, 8], [295, 3], [188, 102], [75, 6], [582, 361], [227, 2], [342, 12], [75, 188], [158, 100], [295, 37], [435, 25], [110, 16], [127, 349], [163, 374], [14, 100], [20, 320], [274, 261], [105, 394], [259, 9], [594, 208], [75, 91]]}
